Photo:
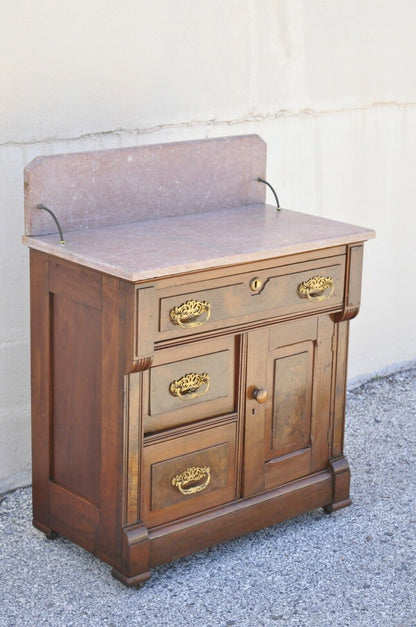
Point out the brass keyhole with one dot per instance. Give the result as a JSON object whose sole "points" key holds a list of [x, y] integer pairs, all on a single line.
{"points": [[255, 284]]}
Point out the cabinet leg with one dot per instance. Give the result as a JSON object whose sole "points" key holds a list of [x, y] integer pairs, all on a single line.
{"points": [[334, 507], [135, 565], [135, 581], [49, 533], [341, 486]]}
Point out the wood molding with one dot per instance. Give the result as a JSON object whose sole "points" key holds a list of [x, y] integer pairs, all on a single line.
{"points": [[341, 485], [347, 314], [135, 556], [138, 365], [352, 293]]}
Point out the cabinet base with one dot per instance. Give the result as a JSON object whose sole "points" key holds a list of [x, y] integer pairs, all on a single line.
{"points": [[334, 507], [179, 538], [144, 549], [133, 582]]}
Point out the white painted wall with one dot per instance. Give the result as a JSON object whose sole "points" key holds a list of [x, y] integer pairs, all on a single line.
{"points": [[329, 84]]}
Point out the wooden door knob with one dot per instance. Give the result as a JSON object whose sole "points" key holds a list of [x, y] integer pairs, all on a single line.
{"points": [[260, 394]]}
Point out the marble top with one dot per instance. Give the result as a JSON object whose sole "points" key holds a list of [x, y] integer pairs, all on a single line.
{"points": [[157, 248], [105, 187]]}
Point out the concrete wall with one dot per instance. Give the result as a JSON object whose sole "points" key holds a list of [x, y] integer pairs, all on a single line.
{"points": [[329, 84]]}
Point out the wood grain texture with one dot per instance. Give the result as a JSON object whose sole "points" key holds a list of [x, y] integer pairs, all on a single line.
{"points": [[285, 468], [76, 381], [212, 447], [296, 416], [73, 517], [352, 296], [216, 458], [215, 357], [217, 382], [292, 392], [76, 283], [112, 428], [238, 518], [134, 568], [41, 385], [255, 413], [133, 436], [340, 387], [341, 485], [234, 300], [322, 393]]}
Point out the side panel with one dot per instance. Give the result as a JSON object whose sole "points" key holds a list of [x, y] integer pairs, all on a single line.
{"points": [[76, 397], [78, 341]]}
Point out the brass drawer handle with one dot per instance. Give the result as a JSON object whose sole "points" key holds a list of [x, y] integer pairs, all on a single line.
{"points": [[185, 315], [316, 288], [184, 482], [189, 385]]}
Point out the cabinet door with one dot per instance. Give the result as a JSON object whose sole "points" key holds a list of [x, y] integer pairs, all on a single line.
{"points": [[288, 402]]}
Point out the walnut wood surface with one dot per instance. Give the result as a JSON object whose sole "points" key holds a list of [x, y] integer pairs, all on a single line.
{"points": [[215, 448], [216, 358], [238, 518], [108, 437], [278, 296], [76, 383]]}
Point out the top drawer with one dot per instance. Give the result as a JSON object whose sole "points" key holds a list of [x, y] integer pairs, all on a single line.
{"points": [[310, 286]]}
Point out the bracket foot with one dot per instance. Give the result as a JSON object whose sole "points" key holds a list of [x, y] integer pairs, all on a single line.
{"points": [[137, 581]]}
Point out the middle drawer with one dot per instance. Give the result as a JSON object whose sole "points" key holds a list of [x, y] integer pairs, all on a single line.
{"points": [[189, 383]]}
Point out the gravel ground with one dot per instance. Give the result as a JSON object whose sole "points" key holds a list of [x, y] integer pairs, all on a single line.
{"points": [[353, 568]]}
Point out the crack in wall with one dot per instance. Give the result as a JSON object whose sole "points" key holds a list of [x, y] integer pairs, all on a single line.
{"points": [[248, 119]]}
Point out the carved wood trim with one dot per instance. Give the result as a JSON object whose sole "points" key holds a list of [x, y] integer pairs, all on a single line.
{"points": [[352, 293], [138, 365], [341, 484], [135, 556], [348, 314]]}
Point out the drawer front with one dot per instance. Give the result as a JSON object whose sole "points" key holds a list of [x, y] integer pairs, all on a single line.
{"points": [[302, 287], [188, 474], [189, 383]]}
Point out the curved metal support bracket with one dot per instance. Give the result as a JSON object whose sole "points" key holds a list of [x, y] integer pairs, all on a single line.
{"points": [[61, 235], [260, 180]]}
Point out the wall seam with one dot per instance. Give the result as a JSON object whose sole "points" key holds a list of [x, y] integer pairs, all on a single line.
{"points": [[250, 118]]}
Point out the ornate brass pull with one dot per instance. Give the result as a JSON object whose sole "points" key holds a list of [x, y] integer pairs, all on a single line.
{"points": [[184, 482], [186, 314], [189, 385], [316, 288]]}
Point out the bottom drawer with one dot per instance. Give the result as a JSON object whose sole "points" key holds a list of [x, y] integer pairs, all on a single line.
{"points": [[188, 473]]}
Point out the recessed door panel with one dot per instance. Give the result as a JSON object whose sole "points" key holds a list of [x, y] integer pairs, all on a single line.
{"points": [[291, 409], [290, 364]]}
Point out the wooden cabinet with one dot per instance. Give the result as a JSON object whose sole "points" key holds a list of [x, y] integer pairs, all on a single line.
{"points": [[175, 411]]}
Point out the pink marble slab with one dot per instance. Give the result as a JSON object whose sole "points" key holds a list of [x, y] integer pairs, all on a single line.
{"points": [[102, 188], [167, 246]]}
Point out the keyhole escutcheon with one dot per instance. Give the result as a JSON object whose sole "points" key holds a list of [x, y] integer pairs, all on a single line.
{"points": [[255, 284]]}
